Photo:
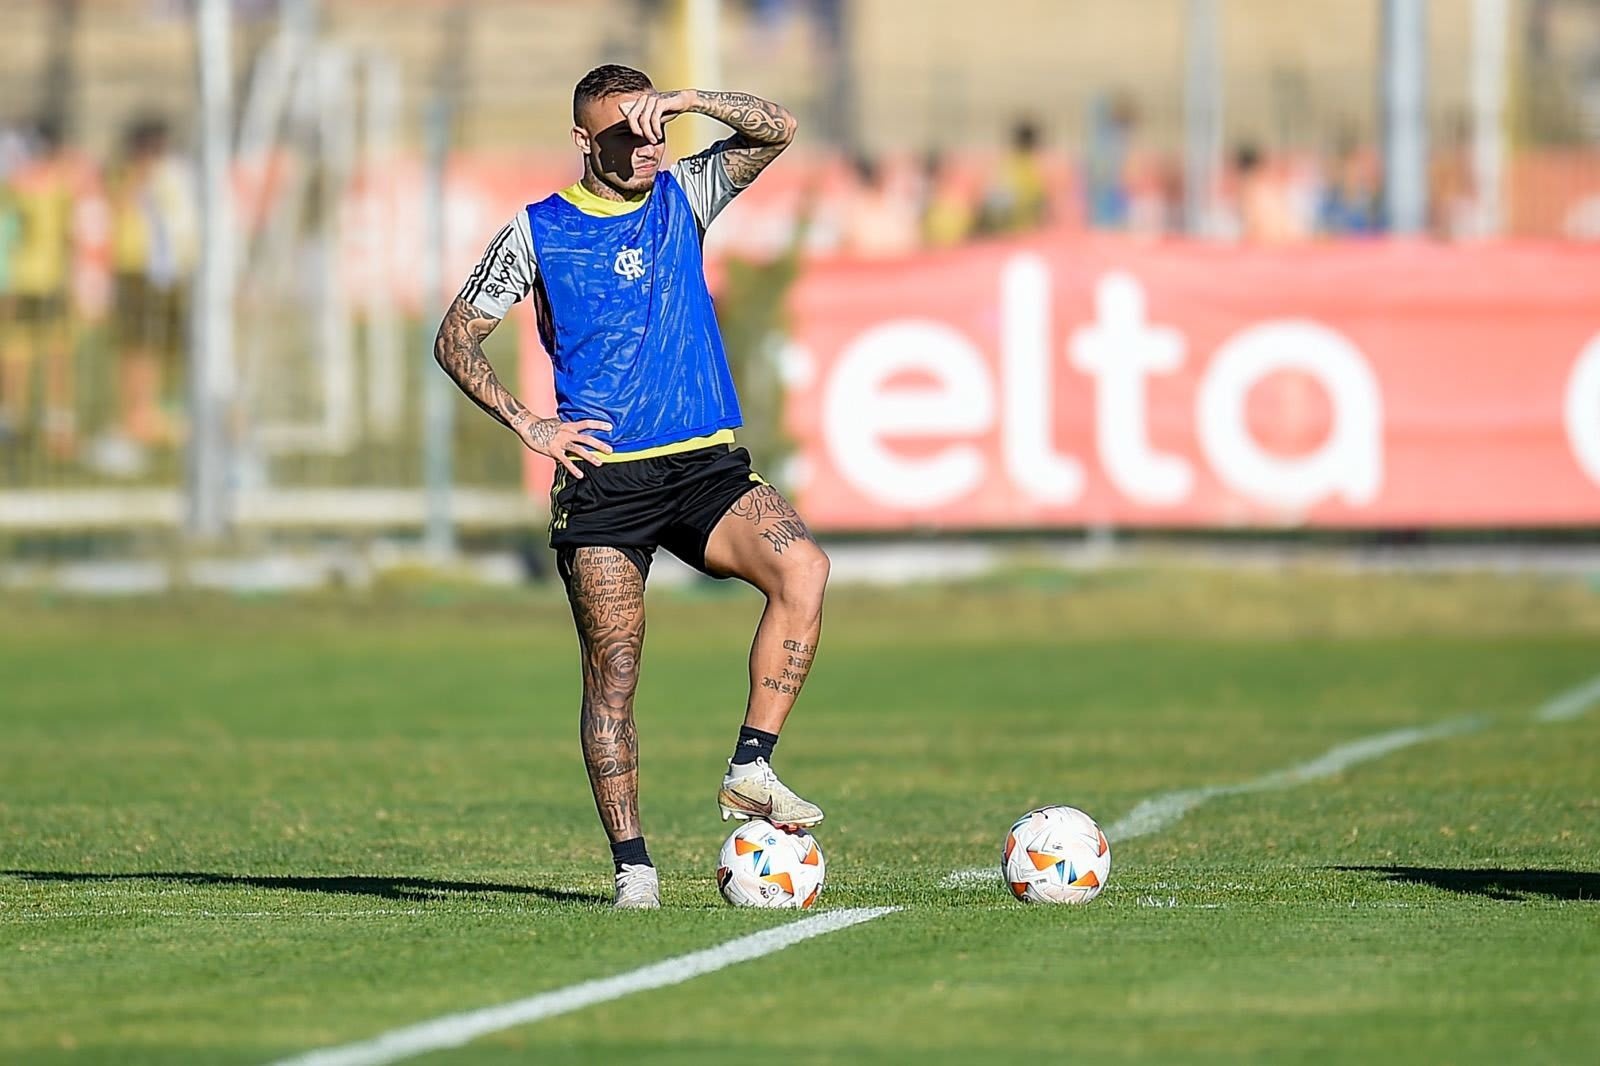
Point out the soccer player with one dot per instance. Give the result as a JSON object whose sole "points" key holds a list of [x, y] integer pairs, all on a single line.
{"points": [[643, 430], [43, 192], [154, 250]]}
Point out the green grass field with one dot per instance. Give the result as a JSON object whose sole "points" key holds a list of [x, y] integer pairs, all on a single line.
{"points": [[237, 830]]}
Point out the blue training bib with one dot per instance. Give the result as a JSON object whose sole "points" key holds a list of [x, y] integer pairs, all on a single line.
{"points": [[635, 340]]}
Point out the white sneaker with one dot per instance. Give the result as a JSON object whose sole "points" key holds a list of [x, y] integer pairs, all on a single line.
{"points": [[638, 888], [752, 790]]}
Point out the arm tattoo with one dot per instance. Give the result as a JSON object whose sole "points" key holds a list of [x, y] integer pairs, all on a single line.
{"points": [[458, 347], [607, 594], [762, 130]]}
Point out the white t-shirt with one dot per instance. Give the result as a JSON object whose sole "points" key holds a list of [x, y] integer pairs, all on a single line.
{"points": [[506, 272]]}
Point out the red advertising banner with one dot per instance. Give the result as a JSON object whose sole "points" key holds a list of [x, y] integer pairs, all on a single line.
{"points": [[1093, 381]]}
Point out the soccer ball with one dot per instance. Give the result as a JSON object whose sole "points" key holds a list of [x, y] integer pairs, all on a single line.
{"points": [[1055, 855], [764, 866]]}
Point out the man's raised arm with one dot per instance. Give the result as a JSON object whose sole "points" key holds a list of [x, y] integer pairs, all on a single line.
{"points": [[762, 129]]}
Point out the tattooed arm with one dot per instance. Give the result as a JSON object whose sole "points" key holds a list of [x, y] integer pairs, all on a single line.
{"points": [[458, 347], [761, 129]]}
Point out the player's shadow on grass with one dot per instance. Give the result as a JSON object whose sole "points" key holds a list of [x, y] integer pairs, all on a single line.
{"points": [[409, 889], [1513, 885]]}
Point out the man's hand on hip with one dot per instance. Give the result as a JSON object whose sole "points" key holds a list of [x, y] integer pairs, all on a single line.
{"points": [[562, 441]]}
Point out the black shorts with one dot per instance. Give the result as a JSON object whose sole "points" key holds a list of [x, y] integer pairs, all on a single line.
{"points": [[671, 501]]}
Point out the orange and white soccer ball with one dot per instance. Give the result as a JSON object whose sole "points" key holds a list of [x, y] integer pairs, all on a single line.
{"points": [[1055, 855], [764, 866]]}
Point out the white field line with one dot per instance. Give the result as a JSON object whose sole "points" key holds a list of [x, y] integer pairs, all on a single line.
{"points": [[1571, 703], [1158, 812], [454, 1030]]}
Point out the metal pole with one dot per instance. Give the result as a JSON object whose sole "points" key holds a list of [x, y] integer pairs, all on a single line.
{"points": [[1405, 112], [60, 73], [1491, 31], [438, 406], [836, 102], [438, 401], [1202, 115], [270, 95], [332, 86], [386, 345], [703, 61], [211, 369]]}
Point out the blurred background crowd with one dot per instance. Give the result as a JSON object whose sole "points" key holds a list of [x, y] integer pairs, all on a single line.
{"points": [[373, 145], [136, 218]]}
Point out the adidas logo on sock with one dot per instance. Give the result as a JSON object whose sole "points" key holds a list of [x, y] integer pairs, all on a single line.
{"points": [[751, 743]]}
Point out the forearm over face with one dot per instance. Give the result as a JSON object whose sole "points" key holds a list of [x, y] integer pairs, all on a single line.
{"points": [[760, 121], [762, 130]]}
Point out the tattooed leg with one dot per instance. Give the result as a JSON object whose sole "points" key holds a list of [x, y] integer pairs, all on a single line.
{"points": [[763, 541], [607, 594]]}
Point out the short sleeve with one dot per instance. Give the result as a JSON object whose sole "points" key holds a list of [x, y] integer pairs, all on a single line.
{"points": [[506, 271], [705, 181]]}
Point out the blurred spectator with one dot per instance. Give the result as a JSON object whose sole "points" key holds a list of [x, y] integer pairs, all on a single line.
{"points": [[949, 211], [1452, 194], [1352, 201], [1112, 123], [42, 192], [1155, 195], [154, 244], [1266, 214], [881, 217], [1019, 199]]}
